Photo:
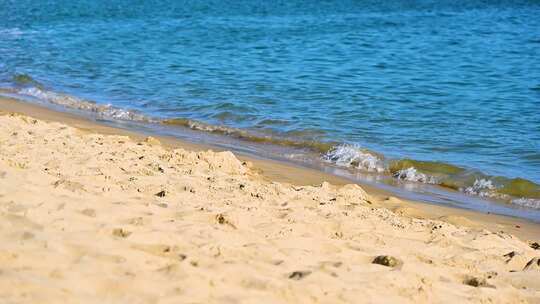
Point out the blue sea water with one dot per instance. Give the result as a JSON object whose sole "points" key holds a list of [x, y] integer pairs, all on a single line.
{"points": [[452, 82]]}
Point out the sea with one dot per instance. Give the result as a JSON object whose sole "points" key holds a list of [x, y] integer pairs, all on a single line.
{"points": [[435, 100]]}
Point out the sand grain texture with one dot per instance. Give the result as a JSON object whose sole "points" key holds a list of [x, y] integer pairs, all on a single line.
{"points": [[88, 218]]}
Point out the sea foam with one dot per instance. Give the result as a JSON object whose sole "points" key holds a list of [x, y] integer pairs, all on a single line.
{"points": [[527, 202], [353, 156], [413, 175], [481, 187], [102, 110]]}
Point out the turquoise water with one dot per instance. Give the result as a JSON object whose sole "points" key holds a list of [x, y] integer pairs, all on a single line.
{"points": [[445, 84]]}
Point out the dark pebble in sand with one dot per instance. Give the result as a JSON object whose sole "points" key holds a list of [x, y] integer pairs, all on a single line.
{"points": [[220, 219], [298, 275], [160, 193], [535, 246], [119, 232], [510, 255], [533, 264], [386, 260], [476, 282]]}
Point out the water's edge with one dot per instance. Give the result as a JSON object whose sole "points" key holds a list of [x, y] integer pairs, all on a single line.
{"points": [[425, 181]]}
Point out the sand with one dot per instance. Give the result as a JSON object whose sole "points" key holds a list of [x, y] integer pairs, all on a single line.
{"points": [[89, 217]]}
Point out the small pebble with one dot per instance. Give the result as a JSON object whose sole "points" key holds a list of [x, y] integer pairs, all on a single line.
{"points": [[119, 232], [386, 260], [476, 282], [298, 275]]}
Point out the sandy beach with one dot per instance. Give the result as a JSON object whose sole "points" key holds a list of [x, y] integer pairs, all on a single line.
{"points": [[95, 214]]}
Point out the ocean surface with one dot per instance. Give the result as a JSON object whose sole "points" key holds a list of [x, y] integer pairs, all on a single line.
{"points": [[433, 92]]}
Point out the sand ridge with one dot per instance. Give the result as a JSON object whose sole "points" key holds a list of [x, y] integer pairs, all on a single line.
{"points": [[92, 217]]}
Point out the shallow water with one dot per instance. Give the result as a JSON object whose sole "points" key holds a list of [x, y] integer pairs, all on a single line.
{"points": [[455, 89]]}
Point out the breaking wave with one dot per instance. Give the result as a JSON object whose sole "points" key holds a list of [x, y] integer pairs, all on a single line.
{"points": [[412, 175], [481, 187], [520, 196], [353, 156], [71, 102], [527, 202]]}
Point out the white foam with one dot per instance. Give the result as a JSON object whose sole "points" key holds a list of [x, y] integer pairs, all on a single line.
{"points": [[412, 175], [481, 187], [485, 188], [527, 202], [106, 111], [353, 156]]}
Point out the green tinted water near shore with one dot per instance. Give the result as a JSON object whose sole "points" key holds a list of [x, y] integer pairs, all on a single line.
{"points": [[320, 147], [446, 175]]}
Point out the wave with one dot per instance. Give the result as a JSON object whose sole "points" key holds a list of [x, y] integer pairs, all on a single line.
{"points": [[516, 191], [315, 146], [412, 175], [520, 187], [486, 188], [102, 110], [352, 156], [26, 86], [425, 166], [527, 202], [481, 187]]}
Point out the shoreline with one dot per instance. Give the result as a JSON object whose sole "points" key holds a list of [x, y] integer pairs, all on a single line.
{"points": [[93, 213], [418, 180], [274, 170], [425, 180]]}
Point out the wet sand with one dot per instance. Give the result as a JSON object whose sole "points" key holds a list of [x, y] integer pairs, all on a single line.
{"points": [[94, 213]]}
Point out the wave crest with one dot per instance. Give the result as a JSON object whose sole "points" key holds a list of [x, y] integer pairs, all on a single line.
{"points": [[481, 187], [412, 175], [353, 156], [106, 111], [527, 202]]}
